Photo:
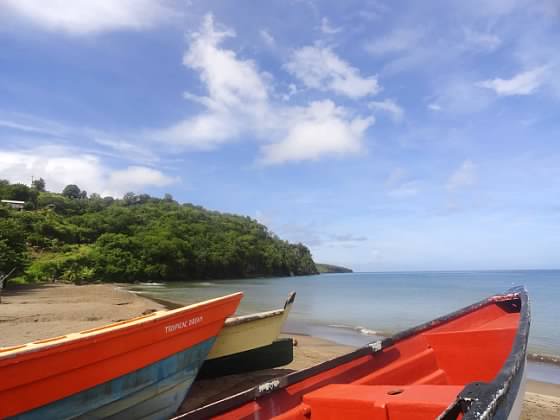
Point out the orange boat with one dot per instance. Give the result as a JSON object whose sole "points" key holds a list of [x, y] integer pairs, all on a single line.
{"points": [[139, 368], [466, 365]]}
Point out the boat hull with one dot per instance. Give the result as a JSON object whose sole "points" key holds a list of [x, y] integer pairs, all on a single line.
{"points": [[248, 332], [279, 353], [132, 369], [152, 392]]}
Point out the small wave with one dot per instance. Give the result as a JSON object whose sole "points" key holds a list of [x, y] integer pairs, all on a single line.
{"points": [[152, 284], [204, 284], [347, 327], [366, 331], [544, 358], [359, 329]]}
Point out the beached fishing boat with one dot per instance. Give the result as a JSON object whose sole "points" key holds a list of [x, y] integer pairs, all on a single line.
{"points": [[469, 364], [248, 332], [138, 368], [250, 342]]}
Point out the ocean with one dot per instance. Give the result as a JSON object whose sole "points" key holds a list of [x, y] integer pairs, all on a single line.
{"points": [[356, 308]]}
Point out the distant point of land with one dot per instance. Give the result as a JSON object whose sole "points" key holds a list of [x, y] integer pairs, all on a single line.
{"points": [[329, 268]]}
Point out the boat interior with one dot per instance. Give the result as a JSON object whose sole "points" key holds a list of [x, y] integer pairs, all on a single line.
{"points": [[417, 377]]}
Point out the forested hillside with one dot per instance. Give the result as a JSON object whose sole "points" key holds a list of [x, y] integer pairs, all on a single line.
{"points": [[73, 237]]}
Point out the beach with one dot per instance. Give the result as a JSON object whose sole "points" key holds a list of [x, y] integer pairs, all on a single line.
{"points": [[37, 312]]}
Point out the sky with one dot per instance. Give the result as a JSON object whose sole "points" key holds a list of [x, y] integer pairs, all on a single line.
{"points": [[384, 135]]}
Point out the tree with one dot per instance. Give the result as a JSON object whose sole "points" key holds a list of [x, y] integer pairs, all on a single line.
{"points": [[13, 249], [19, 192], [72, 191], [129, 198], [39, 185]]}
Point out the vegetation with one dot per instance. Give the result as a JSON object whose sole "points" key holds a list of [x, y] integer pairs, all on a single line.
{"points": [[137, 238], [329, 268]]}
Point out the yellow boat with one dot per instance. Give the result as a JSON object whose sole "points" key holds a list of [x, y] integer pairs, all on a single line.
{"points": [[248, 332]]}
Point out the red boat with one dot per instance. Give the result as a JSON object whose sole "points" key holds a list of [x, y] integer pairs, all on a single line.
{"points": [[139, 368], [465, 365]]}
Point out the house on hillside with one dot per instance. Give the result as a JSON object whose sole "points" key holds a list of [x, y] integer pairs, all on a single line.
{"points": [[15, 204]]}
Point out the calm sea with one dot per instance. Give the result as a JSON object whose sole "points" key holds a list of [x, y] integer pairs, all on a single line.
{"points": [[354, 308]]}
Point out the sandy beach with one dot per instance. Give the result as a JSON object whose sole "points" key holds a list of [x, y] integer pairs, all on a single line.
{"points": [[37, 312]]}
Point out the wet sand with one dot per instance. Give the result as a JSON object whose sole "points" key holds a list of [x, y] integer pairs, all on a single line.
{"points": [[37, 312]]}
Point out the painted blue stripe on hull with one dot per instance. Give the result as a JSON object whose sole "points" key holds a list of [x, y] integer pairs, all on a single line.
{"points": [[152, 392]]}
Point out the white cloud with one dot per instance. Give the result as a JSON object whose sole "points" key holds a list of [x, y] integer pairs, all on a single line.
{"points": [[132, 151], [434, 107], [136, 177], [397, 41], [237, 92], [31, 124], [390, 106], [320, 68], [38, 131], [464, 176], [267, 38], [81, 17], [321, 129], [327, 29], [481, 40], [524, 83], [61, 166], [457, 96], [230, 80], [240, 103], [400, 185], [203, 131], [396, 177]]}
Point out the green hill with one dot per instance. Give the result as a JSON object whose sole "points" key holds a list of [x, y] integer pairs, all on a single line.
{"points": [[329, 268], [74, 237]]}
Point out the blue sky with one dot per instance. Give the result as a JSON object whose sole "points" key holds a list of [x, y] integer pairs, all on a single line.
{"points": [[394, 135]]}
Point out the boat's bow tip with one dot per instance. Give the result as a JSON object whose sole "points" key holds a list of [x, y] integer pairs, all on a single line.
{"points": [[290, 300]]}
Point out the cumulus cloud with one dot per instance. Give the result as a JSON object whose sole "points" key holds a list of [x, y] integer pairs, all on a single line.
{"points": [[239, 102], [524, 83], [237, 92], [320, 68], [464, 176], [321, 129], [390, 106], [80, 17], [61, 166]]}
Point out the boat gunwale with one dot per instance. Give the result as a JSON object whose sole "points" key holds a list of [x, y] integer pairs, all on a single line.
{"points": [[252, 394], [241, 319], [83, 337]]}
